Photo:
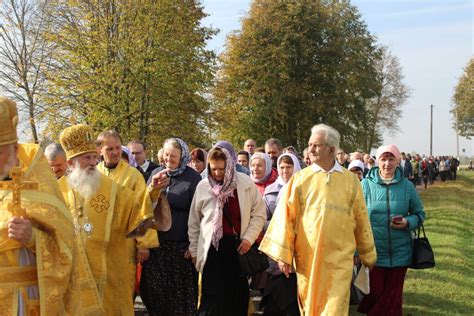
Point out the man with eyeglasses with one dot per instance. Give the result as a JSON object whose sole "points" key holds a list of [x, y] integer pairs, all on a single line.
{"points": [[138, 149]]}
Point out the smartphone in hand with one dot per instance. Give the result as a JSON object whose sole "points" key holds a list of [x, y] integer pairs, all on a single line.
{"points": [[397, 218]]}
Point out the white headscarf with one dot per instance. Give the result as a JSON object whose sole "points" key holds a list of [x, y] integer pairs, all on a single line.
{"points": [[268, 166], [296, 166]]}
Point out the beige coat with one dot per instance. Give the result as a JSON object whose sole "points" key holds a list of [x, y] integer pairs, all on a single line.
{"points": [[200, 228]]}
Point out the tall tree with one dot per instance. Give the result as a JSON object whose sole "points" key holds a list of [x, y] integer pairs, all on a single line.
{"points": [[383, 111], [24, 56], [292, 65], [463, 100], [141, 69]]}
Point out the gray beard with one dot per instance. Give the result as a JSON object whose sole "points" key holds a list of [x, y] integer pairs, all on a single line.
{"points": [[5, 172], [86, 182]]}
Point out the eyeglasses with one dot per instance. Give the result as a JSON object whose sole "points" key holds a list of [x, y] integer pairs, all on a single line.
{"points": [[136, 152]]}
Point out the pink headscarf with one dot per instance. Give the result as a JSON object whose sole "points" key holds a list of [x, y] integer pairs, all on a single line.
{"points": [[388, 149]]}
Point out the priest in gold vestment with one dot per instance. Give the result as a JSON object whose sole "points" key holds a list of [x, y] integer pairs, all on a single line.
{"points": [[320, 221], [37, 249], [105, 214], [110, 146]]}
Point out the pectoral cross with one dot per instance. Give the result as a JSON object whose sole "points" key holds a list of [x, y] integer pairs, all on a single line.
{"points": [[16, 185]]}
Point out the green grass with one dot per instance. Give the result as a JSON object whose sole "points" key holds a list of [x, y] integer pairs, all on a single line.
{"points": [[447, 289]]}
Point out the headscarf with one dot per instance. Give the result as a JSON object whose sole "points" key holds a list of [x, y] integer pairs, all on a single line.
{"points": [[230, 149], [296, 166], [222, 192], [388, 149], [356, 164], [131, 160], [204, 154], [183, 162], [268, 166]]}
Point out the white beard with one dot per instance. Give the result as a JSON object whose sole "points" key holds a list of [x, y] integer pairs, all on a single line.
{"points": [[84, 181], [5, 171]]}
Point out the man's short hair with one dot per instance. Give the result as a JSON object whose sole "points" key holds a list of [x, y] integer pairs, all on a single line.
{"points": [[244, 152], [331, 135], [53, 150], [274, 141], [137, 142], [106, 135]]}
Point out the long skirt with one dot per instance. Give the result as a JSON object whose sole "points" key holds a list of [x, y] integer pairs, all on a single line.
{"points": [[386, 292], [225, 290], [169, 282], [280, 297]]}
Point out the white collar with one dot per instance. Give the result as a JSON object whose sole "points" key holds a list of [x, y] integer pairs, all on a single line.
{"points": [[145, 165], [336, 168]]}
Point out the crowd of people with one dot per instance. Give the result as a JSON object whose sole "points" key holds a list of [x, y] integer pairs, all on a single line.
{"points": [[116, 224]]}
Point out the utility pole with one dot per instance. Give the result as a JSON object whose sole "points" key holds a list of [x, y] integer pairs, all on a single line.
{"points": [[431, 131]]}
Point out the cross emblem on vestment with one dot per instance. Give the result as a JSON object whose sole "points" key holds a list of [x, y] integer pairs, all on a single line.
{"points": [[99, 203], [16, 185]]}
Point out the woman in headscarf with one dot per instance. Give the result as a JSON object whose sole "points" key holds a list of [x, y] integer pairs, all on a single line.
{"points": [[395, 211], [128, 157], [225, 202], [261, 171], [169, 284], [263, 175], [280, 294]]}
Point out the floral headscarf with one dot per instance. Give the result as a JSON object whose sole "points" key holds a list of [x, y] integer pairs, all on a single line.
{"points": [[183, 162], [222, 192]]}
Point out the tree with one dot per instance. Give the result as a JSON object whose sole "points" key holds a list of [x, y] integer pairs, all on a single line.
{"points": [[384, 109], [292, 65], [24, 56], [141, 69], [463, 100]]}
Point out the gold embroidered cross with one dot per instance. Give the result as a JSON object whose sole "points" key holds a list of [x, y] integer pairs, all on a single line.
{"points": [[99, 203], [16, 185]]}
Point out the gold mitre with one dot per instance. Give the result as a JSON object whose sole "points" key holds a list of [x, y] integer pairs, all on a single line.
{"points": [[8, 121], [77, 140]]}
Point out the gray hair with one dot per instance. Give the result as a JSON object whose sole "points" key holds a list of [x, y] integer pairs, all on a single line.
{"points": [[53, 150], [331, 135]]}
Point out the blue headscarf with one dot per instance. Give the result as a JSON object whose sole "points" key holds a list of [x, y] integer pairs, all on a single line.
{"points": [[183, 162]]}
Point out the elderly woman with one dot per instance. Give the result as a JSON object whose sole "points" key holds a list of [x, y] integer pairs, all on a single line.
{"points": [[224, 202], [395, 210], [198, 159], [169, 280], [280, 294], [261, 171]]}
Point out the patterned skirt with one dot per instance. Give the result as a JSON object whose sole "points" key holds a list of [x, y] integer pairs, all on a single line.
{"points": [[169, 282]]}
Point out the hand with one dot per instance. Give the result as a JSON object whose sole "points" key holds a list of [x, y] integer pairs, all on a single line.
{"points": [[244, 247], [160, 180], [356, 260], [19, 228], [285, 268], [143, 255], [187, 255], [400, 225]]}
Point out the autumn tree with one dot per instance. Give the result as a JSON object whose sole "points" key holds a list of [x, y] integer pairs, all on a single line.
{"points": [[143, 70], [383, 110], [463, 101], [24, 56], [292, 65]]}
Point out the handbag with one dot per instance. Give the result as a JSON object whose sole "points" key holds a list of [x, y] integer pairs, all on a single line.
{"points": [[253, 261], [423, 256]]}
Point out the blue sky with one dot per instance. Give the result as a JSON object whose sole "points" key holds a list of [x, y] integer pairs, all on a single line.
{"points": [[432, 39]]}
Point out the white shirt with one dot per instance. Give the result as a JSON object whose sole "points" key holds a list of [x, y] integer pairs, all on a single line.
{"points": [[336, 168], [145, 165]]}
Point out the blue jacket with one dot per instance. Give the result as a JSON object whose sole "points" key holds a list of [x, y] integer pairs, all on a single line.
{"points": [[394, 247], [408, 169]]}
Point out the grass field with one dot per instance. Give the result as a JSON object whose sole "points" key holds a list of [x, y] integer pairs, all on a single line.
{"points": [[448, 289]]}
